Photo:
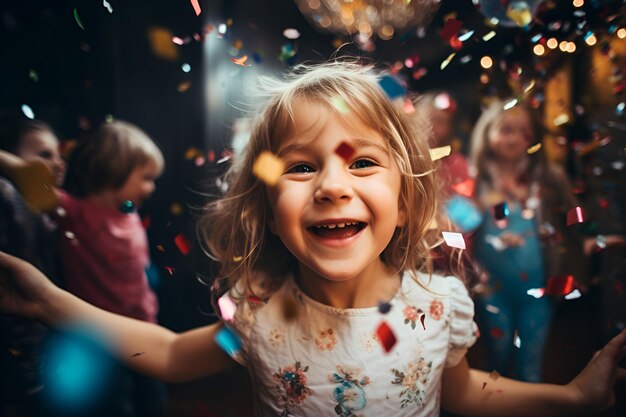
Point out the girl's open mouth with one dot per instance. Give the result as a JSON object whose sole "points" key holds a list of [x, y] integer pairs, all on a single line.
{"points": [[338, 230]]}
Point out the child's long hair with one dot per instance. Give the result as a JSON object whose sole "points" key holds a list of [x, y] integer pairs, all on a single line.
{"points": [[234, 228]]}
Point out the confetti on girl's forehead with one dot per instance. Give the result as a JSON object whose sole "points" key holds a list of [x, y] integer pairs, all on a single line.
{"points": [[268, 168], [454, 240], [345, 151], [241, 61], [182, 244], [196, 7], [385, 336], [441, 152], [340, 104], [533, 149], [575, 215], [227, 307]]}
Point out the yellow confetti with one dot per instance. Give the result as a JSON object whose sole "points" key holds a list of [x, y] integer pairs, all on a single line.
{"points": [[340, 104], [533, 149], [191, 153], [489, 35], [176, 209], [519, 13], [438, 153], [268, 168], [237, 258], [561, 119], [447, 60]]}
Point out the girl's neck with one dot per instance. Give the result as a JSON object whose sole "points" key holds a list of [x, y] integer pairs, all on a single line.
{"points": [[105, 199], [374, 284]]}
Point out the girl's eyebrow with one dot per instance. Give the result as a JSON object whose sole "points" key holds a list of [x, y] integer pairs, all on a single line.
{"points": [[355, 142]]}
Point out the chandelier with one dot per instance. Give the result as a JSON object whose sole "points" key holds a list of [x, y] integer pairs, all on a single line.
{"points": [[368, 17]]}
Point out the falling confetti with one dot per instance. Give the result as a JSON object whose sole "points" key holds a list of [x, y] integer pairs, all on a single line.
{"points": [[196, 7], [573, 295], [533, 149], [32, 74], [183, 245], [536, 292], [77, 18], [345, 151], [561, 119], [268, 168], [454, 240], [291, 33], [28, 112], [161, 43], [107, 6], [441, 152], [560, 285], [241, 61], [465, 188], [447, 61], [391, 87], [227, 307], [340, 104], [228, 341], [385, 336], [575, 215], [489, 36]]}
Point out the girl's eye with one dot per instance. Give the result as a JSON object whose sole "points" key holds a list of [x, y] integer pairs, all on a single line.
{"points": [[363, 163], [301, 169]]}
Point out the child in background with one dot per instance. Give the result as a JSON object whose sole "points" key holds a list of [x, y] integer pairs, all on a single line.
{"points": [[325, 264], [520, 243], [104, 247], [30, 236]]}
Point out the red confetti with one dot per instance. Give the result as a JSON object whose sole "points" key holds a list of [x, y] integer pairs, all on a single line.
{"points": [[575, 215], [170, 270], [196, 7], [146, 222], [603, 203], [385, 336], [560, 285], [455, 43], [182, 244], [450, 29], [465, 188], [345, 151], [497, 332]]}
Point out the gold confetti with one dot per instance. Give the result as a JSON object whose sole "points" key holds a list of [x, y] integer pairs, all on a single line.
{"points": [[35, 182], [447, 60], [268, 168], [441, 152], [489, 36], [533, 149]]}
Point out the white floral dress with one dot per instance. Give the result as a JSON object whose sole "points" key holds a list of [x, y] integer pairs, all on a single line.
{"points": [[309, 359]]}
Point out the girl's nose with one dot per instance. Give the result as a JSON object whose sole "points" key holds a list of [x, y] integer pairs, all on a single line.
{"points": [[334, 184]]}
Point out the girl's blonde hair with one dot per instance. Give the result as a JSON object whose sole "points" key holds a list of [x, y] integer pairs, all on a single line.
{"points": [[106, 158], [234, 228]]}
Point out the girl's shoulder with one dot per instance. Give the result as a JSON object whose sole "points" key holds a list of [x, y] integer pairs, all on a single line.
{"points": [[435, 284]]}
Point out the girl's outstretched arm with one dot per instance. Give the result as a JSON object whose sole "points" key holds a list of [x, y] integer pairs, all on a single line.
{"points": [[145, 347], [472, 392]]}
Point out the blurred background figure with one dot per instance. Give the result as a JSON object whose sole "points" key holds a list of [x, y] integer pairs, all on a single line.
{"points": [[522, 239], [30, 235]]}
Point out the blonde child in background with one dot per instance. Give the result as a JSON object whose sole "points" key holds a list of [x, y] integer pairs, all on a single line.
{"points": [[308, 257], [103, 245], [524, 248]]}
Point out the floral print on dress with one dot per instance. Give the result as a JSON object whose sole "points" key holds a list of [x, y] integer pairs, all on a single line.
{"points": [[414, 380], [326, 340], [277, 337], [291, 384], [411, 315], [349, 392], [436, 309]]}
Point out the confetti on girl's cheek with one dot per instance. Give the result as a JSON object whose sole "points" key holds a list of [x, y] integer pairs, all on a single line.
{"points": [[183, 245], [441, 152], [454, 240], [196, 7], [345, 151], [241, 61], [575, 215], [228, 341], [268, 168], [533, 149], [560, 285], [385, 336], [227, 307]]}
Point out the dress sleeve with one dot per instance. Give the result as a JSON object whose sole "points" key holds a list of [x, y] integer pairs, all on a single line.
{"points": [[463, 329]]}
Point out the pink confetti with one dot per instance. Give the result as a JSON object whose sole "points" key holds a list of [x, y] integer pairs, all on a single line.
{"points": [[575, 215], [227, 307], [196, 7]]}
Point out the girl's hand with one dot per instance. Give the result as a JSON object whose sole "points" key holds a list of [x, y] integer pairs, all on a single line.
{"points": [[24, 290], [512, 240], [593, 387]]}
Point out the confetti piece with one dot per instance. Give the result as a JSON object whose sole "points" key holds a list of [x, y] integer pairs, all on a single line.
{"points": [[450, 29], [77, 18], [494, 375], [500, 211], [517, 342], [345, 151], [447, 61], [391, 87], [536, 292], [241, 61], [127, 207], [183, 245], [340, 104], [509, 104], [463, 212], [573, 295], [32, 74], [466, 36], [492, 309], [28, 112], [170, 270], [561, 119], [134, 355], [228, 341], [560, 285], [519, 13], [422, 318], [465, 188], [384, 307], [107, 6], [291, 33], [454, 240], [196, 7], [268, 168], [385, 336], [495, 242], [533, 149], [160, 248], [440, 152], [227, 307], [496, 332], [489, 36], [161, 43], [575, 215]]}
